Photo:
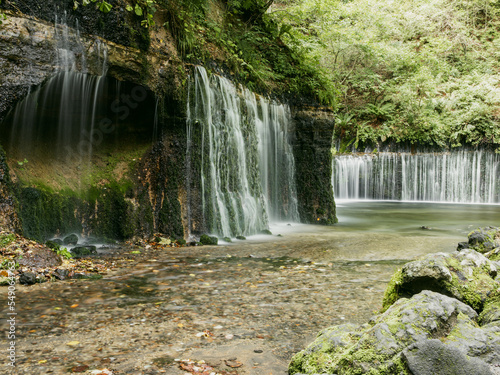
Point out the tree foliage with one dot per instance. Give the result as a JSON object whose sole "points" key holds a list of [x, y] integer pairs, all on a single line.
{"points": [[415, 71]]}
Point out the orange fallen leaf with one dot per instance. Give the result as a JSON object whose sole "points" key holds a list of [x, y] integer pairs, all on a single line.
{"points": [[233, 364], [73, 306]]}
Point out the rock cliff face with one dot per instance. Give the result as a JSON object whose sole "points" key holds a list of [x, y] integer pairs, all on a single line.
{"points": [[313, 158], [136, 188]]}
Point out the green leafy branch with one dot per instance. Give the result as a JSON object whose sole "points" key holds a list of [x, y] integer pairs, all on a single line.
{"points": [[102, 5], [146, 9]]}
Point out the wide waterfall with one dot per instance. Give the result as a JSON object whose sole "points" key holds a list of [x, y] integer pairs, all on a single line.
{"points": [[457, 176], [247, 166]]}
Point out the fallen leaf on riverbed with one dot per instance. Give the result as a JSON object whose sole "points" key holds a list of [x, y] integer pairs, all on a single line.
{"points": [[233, 363], [80, 368], [73, 343]]}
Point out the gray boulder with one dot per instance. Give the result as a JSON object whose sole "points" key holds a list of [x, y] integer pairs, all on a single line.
{"points": [[432, 357], [377, 347], [484, 239], [467, 276]]}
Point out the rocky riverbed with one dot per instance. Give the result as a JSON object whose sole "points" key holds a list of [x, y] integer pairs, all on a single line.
{"points": [[242, 308]]}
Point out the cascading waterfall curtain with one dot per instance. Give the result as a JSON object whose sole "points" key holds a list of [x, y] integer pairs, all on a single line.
{"points": [[458, 176]]}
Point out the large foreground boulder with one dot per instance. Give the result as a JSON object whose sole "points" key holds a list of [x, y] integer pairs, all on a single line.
{"points": [[466, 275], [420, 335]]}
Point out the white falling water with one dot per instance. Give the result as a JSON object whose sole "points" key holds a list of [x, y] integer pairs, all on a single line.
{"points": [[61, 114], [247, 166], [457, 176]]}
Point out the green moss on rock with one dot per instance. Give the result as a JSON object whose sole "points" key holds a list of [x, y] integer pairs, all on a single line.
{"points": [[467, 276], [205, 239]]}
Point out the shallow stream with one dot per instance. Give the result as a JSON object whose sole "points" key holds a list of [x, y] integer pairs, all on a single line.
{"points": [[253, 302]]}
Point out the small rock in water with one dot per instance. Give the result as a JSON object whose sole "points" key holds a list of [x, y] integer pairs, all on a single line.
{"points": [[82, 251], [241, 238], [61, 274], [72, 239], [27, 278], [425, 227], [208, 240], [258, 351]]}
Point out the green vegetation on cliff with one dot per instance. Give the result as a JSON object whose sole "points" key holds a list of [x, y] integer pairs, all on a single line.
{"points": [[420, 71], [244, 38]]}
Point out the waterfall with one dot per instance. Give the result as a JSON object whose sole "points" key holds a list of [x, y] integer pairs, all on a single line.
{"points": [[59, 117], [246, 161], [457, 176]]}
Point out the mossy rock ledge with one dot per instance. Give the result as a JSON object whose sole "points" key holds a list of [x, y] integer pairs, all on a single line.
{"points": [[440, 316]]}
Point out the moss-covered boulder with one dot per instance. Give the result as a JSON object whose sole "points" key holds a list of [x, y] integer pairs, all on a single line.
{"points": [[467, 276], [485, 239], [71, 239], [205, 239], [491, 311], [389, 344], [83, 251]]}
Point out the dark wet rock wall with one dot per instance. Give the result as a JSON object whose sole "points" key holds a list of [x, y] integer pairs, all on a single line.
{"points": [[313, 157]]}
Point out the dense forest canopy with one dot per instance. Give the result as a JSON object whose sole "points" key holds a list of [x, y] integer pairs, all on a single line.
{"points": [[413, 71]]}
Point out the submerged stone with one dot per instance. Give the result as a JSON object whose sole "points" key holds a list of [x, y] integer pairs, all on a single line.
{"points": [[82, 251], [208, 240]]}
